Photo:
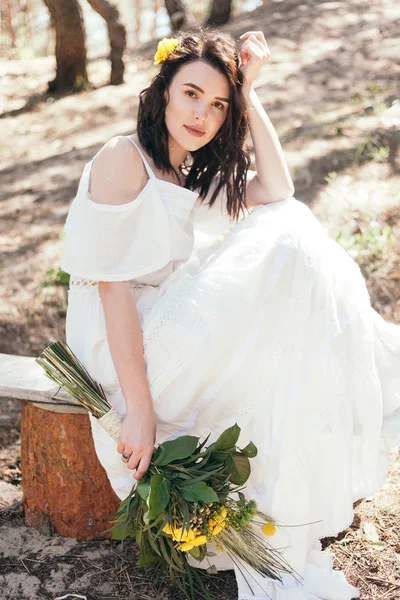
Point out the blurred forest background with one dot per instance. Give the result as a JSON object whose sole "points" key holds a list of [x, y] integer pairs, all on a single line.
{"points": [[30, 28], [71, 72]]}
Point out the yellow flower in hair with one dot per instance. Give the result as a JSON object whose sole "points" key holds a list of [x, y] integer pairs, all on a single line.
{"points": [[164, 49]]}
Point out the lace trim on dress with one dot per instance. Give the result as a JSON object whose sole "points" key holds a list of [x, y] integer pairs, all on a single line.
{"points": [[89, 283], [83, 283]]}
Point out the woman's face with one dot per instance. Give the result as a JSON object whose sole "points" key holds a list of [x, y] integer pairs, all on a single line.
{"points": [[199, 98]]}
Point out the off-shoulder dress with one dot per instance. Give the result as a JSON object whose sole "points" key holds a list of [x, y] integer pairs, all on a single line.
{"points": [[267, 323]]}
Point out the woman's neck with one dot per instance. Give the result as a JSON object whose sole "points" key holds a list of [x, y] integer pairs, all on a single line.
{"points": [[172, 178]]}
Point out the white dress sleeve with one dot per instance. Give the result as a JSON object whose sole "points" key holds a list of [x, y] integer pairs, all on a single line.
{"points": [[106, 242]]}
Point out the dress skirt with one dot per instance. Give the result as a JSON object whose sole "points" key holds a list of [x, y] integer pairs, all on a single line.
{"points": [[271, 328]]}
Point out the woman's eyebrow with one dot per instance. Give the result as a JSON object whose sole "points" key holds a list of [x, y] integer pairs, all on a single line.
{"points": [[196, 87]]}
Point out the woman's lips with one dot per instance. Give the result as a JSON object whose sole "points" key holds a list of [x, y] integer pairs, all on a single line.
{"points": [[194, 132]]}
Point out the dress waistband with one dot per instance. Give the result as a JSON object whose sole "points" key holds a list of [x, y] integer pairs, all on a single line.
{"points": [[89, 283]]}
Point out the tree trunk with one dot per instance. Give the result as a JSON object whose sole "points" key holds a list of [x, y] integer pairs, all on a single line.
{"points": [[220, 12], [9, 18], [66, 490], [177, 14], [71, 72], [116, 36], [156, 6], [26, 9], [138, 18]]}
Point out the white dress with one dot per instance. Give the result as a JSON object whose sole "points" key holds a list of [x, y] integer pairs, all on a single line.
{"points": [[269, 326]]}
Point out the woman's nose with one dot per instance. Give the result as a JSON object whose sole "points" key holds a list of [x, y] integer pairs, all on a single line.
{"points": [[200, 113]]}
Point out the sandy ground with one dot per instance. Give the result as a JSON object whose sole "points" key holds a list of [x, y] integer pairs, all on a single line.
{"points": [[331, 90]]}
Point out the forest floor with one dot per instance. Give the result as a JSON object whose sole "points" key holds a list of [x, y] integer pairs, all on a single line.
{"points": [[331, 89]]}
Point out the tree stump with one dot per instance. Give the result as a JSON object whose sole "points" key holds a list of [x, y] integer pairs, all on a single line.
{"points": [[66, 490]]}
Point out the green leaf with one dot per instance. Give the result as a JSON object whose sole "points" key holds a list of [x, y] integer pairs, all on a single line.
{"points": [[218, 457], [121, 531], [177, 449], [185, 515], [147, 559], [138, 537], [143, 489], [203, 443], [206, 475], [195, 552], [212, 570], [159, 496], [250, 450], [239, 466], [199, 492], [227, 439]]}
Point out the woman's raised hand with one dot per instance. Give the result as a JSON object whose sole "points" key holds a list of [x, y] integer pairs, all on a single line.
{"points": [[137, 438], [254, 53]]}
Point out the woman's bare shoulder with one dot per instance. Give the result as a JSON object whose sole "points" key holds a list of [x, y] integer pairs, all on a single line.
{"points": [[118, 174]]}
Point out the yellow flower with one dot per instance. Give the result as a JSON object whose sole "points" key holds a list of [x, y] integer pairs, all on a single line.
{"points": [[167, 528], [269, 529], [219, 519], [178, 535], [164, 49], [216, 530], [211, 523], [191, 535], [219, 548], [186, 546], [199, 540]]}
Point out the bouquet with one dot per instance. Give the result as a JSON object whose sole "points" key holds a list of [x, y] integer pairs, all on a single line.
{"points": [[186, 499]]}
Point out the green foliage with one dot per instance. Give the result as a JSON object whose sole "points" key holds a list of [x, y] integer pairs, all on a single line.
{"points": [[183, 484], [371, 149], [250, 450], [239, 466], [55, 277], [227, 439], [159, 496], [177, 449], [199, 492], [331, 177], [370, 246]]}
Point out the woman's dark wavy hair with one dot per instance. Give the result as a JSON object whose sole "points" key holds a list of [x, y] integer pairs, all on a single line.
{"points": [[224, 157]]}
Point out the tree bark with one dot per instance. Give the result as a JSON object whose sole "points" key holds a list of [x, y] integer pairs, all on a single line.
{"points": [[9, 18], [71, 72], [116, 36], [220, 12], [177, 14], [66, 490], [26, 9]]}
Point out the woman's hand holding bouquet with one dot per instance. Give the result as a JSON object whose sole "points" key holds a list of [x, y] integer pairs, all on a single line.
{"points": [[188, 494], [137, 438]]}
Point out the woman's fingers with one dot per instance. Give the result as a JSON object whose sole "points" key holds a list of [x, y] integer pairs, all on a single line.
{"points": [[126, 456], [258, 34], [143, 466]]}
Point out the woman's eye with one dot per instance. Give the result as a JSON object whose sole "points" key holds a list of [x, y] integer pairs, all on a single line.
{"points": [[219, 105]]}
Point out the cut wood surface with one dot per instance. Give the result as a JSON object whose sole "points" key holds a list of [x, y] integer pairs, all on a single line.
{"points": [[22, 378]]}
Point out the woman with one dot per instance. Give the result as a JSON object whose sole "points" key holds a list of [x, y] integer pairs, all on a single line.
{"points": [[268, 325]]}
